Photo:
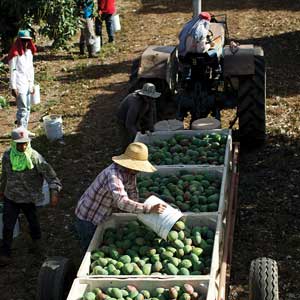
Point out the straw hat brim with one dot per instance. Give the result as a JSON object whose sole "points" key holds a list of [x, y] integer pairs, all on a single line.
{"points": [[133, 164], [152, 95]]}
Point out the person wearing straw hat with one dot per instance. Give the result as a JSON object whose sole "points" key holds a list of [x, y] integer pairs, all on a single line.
{"points": [[23, 172], [136, 113], [114, 188], [20, 59]]}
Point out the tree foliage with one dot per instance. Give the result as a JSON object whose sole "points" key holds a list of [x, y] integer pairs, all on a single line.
{"points": [[57, 19]]}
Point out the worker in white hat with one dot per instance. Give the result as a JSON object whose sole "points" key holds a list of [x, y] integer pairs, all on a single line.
{"points": [[23, 172], [114, 188]]}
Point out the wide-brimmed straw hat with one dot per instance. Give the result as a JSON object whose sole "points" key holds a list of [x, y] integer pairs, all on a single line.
{"points": [[135, 158], [149, 90]]}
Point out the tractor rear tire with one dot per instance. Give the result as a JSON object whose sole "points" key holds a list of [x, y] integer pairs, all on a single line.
{"points": [[263, 279], [252, 104], [55, 278]]}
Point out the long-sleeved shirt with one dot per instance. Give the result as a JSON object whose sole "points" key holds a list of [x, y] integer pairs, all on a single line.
{"points": [[26, 186], [114, 187], [106, 7], [136, 114], [22, 72]]}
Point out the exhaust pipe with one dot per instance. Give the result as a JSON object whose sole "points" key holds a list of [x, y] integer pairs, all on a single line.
{"points": [[197, 7]]}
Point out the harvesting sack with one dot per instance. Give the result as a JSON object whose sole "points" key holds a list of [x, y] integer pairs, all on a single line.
{"points": [[193, 36]]}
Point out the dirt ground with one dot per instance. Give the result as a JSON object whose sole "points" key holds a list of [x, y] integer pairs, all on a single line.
{"points": [[86, 93]]}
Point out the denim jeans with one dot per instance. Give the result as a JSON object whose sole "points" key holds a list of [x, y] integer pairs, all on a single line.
{"points": [[23, 109], [87, 34], [11, 211], [107, 18], [85, 231]]}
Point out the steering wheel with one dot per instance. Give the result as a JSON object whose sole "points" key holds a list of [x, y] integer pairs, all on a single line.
{"points": [[209, 37]]}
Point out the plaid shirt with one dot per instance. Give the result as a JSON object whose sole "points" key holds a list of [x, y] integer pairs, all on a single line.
{"points": [[114, 187]]}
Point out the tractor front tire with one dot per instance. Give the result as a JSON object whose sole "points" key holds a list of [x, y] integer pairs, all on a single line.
{"points": [[263, 279], [55, 278], [252, 104]]}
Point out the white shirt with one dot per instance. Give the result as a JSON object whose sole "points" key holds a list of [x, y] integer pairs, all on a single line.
{"points": [[22, 72]]}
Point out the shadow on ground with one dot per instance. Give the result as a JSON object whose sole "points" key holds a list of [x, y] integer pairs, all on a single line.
{"points": [[88, 72], [282, 74], [269, 207]]}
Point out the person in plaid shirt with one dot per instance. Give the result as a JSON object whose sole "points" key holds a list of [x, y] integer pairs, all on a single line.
{"points": [[114, 188]]}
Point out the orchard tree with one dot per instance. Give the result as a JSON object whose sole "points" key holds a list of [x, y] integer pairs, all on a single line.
{"points": [[57, 19]]}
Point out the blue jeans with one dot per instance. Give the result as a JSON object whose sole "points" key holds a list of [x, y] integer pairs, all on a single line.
{"points": [[85, 231], [23, 109], [107, 18]]}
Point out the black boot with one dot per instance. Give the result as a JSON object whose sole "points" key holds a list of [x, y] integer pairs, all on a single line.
{"points": [[81, 49], [111, 39], [91, 51]]}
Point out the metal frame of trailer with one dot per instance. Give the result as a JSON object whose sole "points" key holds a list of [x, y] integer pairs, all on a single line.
{"points": [[213, 285]]}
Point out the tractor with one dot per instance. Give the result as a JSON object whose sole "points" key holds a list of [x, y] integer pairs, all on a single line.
{"points": [[225, 76]]}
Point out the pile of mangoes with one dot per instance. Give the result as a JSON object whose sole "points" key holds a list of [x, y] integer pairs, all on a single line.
{"points": [[130, 292], [198, 192], [189, 150], [135, 249]]}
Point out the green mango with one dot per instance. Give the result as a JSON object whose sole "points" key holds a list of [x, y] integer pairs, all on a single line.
{"points": [[89, 296], [185, 263], [147, 269], [171, 269], [212, 207], [125, 259], [127, 269], [213, 198], [183, 271], [172, 235], [157, 266], [178, 244]]}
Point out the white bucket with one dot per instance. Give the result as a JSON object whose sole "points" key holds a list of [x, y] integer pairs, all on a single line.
{"points": [[160, 223], [116, 22], [97, 44], [168, 125], [206, 124], [17, 226], [36, 97], [53, 127], [46, 195]]}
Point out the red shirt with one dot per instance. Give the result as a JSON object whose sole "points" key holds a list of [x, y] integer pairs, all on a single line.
{"points": [[106, 6]]}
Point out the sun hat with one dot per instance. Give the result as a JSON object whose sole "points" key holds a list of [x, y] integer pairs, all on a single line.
{"points": [[24, 34], [149, 90], [20, 135], [135, 158]]}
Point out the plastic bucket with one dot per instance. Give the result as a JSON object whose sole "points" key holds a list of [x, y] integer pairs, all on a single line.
{"points": [[53, 127], [168, 125], [36, 97], [46, 195], [160, 223], [97, 44], [116, 22], [17, 226], [206, 124]]}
